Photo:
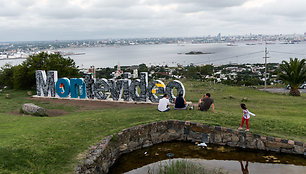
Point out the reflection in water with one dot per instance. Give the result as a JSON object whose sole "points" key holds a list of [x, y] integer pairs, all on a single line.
{"points": [[245, 169], [218, 156]]}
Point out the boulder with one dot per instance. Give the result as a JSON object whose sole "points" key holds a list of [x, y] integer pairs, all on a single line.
{"points": [[7, 96], [30, 108], [29, 93], [245, 99]]}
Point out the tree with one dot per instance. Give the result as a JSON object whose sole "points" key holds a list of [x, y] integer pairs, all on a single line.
{"points": [[143, 68], [294, 74], [6, 76], [24, 74], [206, 70], [191, 72], [105, 73]]}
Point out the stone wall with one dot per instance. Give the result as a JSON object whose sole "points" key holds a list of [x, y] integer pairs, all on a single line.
{"points": [[103, 155]]}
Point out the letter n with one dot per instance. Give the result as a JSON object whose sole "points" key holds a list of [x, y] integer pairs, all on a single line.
{"points": [[45, 84], [77, 88]]}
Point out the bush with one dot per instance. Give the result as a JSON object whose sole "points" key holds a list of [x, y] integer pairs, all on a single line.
{"points": [[6, 76], [23, 76]]}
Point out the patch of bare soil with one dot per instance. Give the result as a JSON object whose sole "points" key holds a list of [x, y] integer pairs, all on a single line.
{"points": [[50, 112], [55, 112], [84, 105]]}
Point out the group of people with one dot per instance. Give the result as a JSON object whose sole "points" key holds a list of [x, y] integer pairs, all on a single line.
{"points": [[180, 103], [204, 104]]}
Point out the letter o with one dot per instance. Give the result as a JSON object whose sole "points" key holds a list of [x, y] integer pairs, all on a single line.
{"points": [[158, 90], [174, 84], [64, 89], [133, 90]]}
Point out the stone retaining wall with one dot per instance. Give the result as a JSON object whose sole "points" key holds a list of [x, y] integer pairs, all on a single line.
{"points": [[103, 155]]}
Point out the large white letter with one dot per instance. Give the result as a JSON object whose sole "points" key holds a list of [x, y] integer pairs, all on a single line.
{"points": [[45, 85]]}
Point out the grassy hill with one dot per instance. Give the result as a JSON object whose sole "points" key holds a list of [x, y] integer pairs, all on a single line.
{"points": [[54, 144]]}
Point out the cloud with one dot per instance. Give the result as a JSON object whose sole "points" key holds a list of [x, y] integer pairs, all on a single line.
{"points": [[74, 19]]}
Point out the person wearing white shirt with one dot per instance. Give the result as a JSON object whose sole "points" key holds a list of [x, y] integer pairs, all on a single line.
{"points": [[246, 116], [163, 104]]}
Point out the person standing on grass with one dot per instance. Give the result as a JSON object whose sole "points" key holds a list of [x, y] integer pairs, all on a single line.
{"points": [[205, 102], [246, 116], [163, 104]]}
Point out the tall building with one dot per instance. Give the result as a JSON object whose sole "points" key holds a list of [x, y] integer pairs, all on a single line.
{"points": [[219, 37], [92, 71], [119, 72], [135, 73]]}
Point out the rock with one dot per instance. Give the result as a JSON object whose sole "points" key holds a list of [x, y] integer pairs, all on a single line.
{"points": [[291, 142], [29, 93], [245, 99], [260, 145], [123, 147], [7, 96], [218, 138], [235, 138], [32, 109], [227, 137], [251, 144], [299, 149], [170, 155], [147, 143]]}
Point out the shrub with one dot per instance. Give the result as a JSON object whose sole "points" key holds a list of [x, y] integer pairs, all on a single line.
{"points": [[6, 76], [23, 76]]}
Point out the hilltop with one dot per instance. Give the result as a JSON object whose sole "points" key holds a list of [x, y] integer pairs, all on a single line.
{"points": [[52, 144]]}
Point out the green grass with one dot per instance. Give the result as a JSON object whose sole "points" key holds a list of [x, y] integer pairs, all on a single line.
{"points": [[52, 144]]}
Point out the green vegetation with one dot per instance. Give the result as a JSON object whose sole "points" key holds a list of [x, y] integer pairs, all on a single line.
{"points": [[185, 167], [6, 74], [195, 72], [31, 144], [293, 73], [14, 76]]}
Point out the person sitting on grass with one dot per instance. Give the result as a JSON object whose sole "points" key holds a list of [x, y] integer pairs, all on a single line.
{"points": [[205, 102], [163, 104], [246, 116], [180, 103], [200, 100]]}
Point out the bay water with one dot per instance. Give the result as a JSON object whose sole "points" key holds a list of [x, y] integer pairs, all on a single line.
{"points": [[173, 54]]}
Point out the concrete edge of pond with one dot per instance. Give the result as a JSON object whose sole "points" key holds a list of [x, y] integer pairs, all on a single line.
{"points": [[102, 156]]}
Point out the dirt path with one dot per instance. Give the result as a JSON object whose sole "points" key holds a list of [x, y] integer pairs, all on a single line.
{"points": [[92, 104]]}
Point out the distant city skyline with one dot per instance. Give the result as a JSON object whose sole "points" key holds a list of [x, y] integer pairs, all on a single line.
{"points": [[98, 19]]}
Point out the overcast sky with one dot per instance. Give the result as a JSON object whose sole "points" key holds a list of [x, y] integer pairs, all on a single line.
{"points": [[98, 19]]}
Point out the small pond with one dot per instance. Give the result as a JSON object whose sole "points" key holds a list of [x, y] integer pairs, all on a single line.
{"points": [[231, 160]]}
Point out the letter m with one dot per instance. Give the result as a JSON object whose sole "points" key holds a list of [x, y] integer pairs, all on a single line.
{"points": [[45, 84]]}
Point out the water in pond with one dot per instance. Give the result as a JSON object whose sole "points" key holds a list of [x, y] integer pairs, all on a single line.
{"points": [[232, 160]]}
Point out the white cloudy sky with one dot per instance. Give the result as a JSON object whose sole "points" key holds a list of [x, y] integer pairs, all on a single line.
{"points": [[98, 19]]}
